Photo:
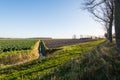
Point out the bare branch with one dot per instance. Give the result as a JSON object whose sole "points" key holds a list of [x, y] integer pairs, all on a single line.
{"points": [[102, 10]]}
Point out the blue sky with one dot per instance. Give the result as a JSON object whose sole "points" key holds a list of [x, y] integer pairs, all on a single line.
{"points": [[46, 18]]}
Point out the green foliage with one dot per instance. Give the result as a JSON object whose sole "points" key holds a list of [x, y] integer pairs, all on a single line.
{"points": [[15, 51], [37, 69], [16, 44]]}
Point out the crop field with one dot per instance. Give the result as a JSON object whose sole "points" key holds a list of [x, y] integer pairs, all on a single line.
{"points": [[16, 44], [15, 51], [37, 69], [55, 43]]}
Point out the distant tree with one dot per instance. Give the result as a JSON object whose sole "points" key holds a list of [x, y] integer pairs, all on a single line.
{"points": [[102, 10], [117, 22], [74, 36]]}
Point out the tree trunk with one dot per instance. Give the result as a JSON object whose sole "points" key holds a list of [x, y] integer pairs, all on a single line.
{"points": [[117, 22], [111, 23], [110, 34], [110, 27]]}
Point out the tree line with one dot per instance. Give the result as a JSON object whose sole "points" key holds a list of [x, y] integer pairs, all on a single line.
{"points": [[107, 12]]}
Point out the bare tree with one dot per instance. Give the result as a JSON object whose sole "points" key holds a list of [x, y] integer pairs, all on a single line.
{"points": [[103, 11], [117, 22]]}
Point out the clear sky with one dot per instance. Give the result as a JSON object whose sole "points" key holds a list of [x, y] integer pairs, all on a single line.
{"points": [[46, 18]]}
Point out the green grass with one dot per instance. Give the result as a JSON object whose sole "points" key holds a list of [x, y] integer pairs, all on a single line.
{"points": [[11, 53], [39, 68], [101, 63]]}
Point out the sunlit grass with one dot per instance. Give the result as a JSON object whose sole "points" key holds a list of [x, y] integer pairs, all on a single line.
{"points": [[38, 68], [100, 63]]}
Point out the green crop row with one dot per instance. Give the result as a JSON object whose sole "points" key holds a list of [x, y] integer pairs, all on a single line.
{"points": [[16, 44]]}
